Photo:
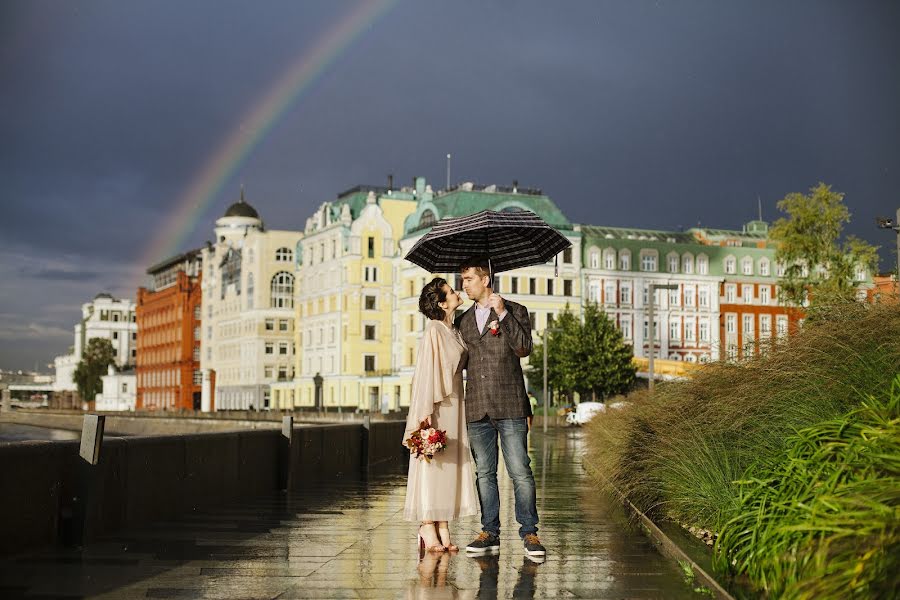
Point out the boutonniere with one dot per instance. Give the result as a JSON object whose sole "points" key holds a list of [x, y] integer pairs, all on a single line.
{"points": [[495, 327]]}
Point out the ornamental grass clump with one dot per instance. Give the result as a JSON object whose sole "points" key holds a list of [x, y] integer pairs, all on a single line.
{"points": [[681, 453], [823, 520]]}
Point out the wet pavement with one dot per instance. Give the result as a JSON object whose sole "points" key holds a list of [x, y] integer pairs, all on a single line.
{"points": [[349, 540]]}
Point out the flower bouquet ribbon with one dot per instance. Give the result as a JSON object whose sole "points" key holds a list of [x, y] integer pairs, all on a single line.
{"points": [[426, 442]]}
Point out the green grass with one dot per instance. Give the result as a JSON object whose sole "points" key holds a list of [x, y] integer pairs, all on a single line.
{"points": [[683, 453]]}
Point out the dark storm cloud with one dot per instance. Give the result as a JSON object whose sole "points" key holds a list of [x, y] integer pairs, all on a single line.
{"points": [[646, 114]]}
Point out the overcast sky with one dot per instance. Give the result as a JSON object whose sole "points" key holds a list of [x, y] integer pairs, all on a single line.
{"points": [[627, 113]]}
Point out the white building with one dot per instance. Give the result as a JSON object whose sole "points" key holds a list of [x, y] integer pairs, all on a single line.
{"points": [[119, 391], [247, 337], [107, 318]]}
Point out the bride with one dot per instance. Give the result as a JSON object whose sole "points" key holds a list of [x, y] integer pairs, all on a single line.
{"points": [[444, 488]]}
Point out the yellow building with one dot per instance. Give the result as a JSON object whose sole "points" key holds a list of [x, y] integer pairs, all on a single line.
{"points": [[358, 325]]}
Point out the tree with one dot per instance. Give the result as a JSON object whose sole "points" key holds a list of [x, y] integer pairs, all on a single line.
{"points": [[606, 365], [97, 357], [809, 247], [588, 356]]}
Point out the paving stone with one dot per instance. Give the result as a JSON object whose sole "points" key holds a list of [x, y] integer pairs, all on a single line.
{"points": [[348, 540]]}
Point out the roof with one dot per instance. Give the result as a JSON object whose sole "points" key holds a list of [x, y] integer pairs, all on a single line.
{"points": [[165, 264]]}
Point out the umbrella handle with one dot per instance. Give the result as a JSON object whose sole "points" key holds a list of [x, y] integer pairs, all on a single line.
{"points": [[556, 266]]}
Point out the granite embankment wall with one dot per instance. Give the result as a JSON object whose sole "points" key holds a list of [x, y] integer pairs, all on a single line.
{"points": [[50, 495]]}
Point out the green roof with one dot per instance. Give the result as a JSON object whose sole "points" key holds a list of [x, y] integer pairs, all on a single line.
{"points": [[462, 202]]}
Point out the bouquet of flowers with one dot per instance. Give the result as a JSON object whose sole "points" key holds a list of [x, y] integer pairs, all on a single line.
{"points": [[424, 443]]}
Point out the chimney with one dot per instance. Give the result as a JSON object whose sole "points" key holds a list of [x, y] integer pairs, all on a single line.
{"points": [[390, 182], [515, 186]]}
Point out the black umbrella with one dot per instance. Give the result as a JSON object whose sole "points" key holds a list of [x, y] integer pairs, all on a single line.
{"points": [[511, 240]]}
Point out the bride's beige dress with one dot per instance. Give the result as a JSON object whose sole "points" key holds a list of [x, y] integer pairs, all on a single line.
{"points": [[443, 489]]}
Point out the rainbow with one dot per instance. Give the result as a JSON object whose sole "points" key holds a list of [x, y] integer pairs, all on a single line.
{"points": [[255, 126]]}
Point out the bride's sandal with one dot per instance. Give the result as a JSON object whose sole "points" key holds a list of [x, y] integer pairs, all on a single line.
{"points": [[429, 542], [444, 533]]}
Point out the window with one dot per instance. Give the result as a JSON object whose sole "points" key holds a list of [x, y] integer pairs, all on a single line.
{"points": [[284, 255], [250, 290], [703, 296], [567, 287], [371, 274], [283, 290], [730, 265], [532, 286], [625, 260], [673, 264], [765, 294], [765, 325], [687, 264], [704, 331], [747, 266], [283, 324], [609, 260], [781, 325], [674, 298], [514, 285], [115, 335], [283, 348], [550, 318], [595, 259], [282, 373], [730, 293], [764, 267], [270, 324], [197, 332], [702, 265], [780, 269], [674, 330], [594, 292], [270, 347], [533, 318], [567, 256], [859, 273], [748, 324], [731, 323], [689, 330], [427, 219], [625, 294], [198, 377], [747, 293], [625, 327], [549, 287], [369, 362], [195, 355], [369, 302], [370, 244], [689, 296], [197, 314], [609, 292], [648, 262], [370, 332]]}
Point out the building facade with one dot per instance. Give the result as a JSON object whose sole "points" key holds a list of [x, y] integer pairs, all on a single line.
{"points": [[169, 321], [119, 391], [107, 318], [249, 293]]}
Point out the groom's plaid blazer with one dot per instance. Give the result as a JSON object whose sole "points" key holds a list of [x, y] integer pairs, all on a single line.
{"points": [[495, 385]]}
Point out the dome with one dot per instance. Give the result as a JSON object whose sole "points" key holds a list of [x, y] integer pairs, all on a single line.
{"points": [[241, 209]]}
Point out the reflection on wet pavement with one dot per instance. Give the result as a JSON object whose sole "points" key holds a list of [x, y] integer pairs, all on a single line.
{"points": [[348, 540]]}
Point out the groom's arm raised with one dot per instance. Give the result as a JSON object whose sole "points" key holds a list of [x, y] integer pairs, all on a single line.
{"points": [[517, 329]]}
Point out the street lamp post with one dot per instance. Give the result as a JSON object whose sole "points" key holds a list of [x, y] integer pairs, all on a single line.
{"points": [[887, 223], [652, 345]]}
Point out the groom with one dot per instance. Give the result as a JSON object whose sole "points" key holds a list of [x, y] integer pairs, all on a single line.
{"points": [[498, 335]]}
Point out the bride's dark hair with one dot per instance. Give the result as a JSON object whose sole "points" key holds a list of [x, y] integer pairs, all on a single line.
{"points": [[431, 297]]}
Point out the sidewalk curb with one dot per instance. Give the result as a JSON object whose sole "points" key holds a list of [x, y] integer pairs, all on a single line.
{"points": [[670, 549]]}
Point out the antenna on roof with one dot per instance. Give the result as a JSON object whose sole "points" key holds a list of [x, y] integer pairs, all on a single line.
{"points": [[760, 206], [448, 171]]}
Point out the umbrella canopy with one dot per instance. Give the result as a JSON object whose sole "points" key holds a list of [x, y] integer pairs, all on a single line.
{"points": [[511, 240]]}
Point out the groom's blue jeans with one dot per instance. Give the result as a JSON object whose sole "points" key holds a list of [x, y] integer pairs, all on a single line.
{"points": [[513, 434]]}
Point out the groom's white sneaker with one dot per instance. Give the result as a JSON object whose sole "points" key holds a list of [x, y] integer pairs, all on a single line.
{"points": [[485, 543], [533, 546]]}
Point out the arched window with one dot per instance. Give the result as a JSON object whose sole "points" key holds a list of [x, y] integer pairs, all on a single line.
{"points": [[427, 219], [747, 265], [730, 265], [625, 260], [595, 258], [283, 290], [673, 261], [702, 264], [687, 264], [284, 255], [609, 259], [764, 267]]}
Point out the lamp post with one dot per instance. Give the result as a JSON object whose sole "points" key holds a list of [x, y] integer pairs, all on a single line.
{"points": [[652, 349], [547, 331], [887, 223]]}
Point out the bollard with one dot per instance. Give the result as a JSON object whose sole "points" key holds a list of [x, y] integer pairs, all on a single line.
{"points": [[284, 453], [75, 517]]}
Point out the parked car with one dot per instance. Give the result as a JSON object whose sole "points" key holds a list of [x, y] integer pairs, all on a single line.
{"points": [[584, 412]]}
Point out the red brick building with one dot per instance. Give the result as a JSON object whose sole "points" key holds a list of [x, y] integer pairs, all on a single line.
{"points": [[168, 336]]}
